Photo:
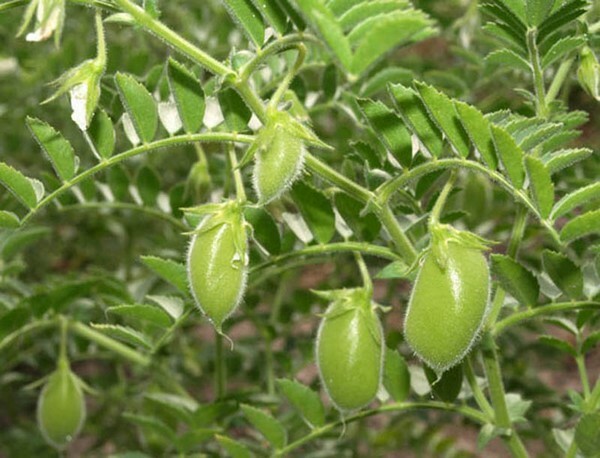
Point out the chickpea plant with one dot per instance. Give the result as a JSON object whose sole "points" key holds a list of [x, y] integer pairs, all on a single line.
{"points": [[229, 174]]}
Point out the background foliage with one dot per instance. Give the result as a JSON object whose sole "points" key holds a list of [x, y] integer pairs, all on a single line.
{"points": [[397, 113]]}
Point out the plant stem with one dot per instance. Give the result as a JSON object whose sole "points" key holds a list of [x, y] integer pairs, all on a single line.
{"points": [[220, 367], [322, 250], [496, 388], [289, 77], [403, 244], [237, 174], [478, 394], [543, 310], [12, 4], [176, 41], [277, 46], [468, 412], [434, 217], [339, 180], [163, 143], [109, 343], [583, 375], [538, 75], [129, 207], [559, 79], [364, 273], [387, 189]]}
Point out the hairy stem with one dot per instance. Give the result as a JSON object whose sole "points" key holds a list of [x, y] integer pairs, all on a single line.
{"points": [[468, 412], [220, 366], [538, 75], [543, 310], [110, 344], [498, 396], [434, 217]]}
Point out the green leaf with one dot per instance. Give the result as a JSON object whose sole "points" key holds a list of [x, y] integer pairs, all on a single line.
{"points": [[575, 199], [396, 377], [389, 129], [441, 110], [171, 271], [18, 184], [415, 116], [561, 48], [395, 269], [486, 434], [266, 232], [153, 424], [560, 345], [478, 129], [123, 333], [564, 273], [304, 400], [235, 111], [118, 181], [273, 14], [188, 95], [516, 279], [365, 227], [57, 148], [586, 224], [567, 13], [148, 185], [102, 133], [244, 13], [510, 154], [508, 58], [17, 241], [268, 426], [565, 158], [329, 81], [517, 407], [142, 312], [590, 342], [139, 104], [235, 448], [538, 10], [542, 187], [326, 25], [586, 434], [382, 33], [170, 304], [447, 386], [316, 210], [9, 220]]}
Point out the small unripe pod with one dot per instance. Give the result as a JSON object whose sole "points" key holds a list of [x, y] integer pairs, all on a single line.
{"points": [[349, 350], [278, 164], [61, 406], [218, 264], [448, 304]]}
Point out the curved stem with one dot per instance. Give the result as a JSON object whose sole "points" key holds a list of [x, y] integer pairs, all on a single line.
{"points": [[478, 394], [364, 273], [173, 39], [319, 250], [387, 189], [434, 217], [289, 77], [5, 6], [468, 412], [127, 206], [542, 310], [166, 142], [275, 47]]}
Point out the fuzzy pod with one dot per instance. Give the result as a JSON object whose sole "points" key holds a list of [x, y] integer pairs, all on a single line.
{"points": [[448, 305], [217, 265], [349, 350], [278, 162], [61, 408]]}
